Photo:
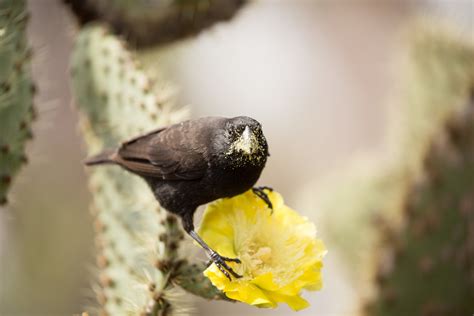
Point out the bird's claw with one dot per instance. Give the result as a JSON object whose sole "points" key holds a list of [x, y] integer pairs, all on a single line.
{"points": [[223, 266], [265, 188], [236, 260], [260, 192]]}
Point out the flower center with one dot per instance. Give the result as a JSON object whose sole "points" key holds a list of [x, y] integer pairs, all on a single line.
{"points": [[257, 258]]}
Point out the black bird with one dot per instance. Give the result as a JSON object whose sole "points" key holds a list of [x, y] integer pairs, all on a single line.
{"points": [[196, 162]]}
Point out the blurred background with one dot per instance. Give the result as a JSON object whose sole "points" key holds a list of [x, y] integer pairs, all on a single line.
{"points": [[318, 75]]}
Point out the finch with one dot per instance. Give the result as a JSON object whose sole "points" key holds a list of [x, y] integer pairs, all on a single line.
{"points": [[196, 162]]}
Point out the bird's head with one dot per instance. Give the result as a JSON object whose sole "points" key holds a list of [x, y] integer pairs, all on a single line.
{"points": [[246, 141]]}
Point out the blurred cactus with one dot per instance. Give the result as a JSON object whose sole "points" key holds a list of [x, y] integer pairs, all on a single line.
{"points": [[137, 241], [404, 208], [436, 85], [16, 91], [145, 22], [426, 265]]}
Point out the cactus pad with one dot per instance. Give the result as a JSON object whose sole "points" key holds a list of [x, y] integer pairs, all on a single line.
{"points": [[16, 92]]}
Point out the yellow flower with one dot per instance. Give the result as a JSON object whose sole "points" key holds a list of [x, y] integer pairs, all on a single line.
{"points": [[279, 252]]}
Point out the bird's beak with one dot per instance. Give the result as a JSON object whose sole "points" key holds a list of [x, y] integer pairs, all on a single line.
{"points": [[246, 135], [246, 142]]}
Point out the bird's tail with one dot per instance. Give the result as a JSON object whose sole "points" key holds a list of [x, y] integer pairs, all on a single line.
{"points": [[105, 157]]}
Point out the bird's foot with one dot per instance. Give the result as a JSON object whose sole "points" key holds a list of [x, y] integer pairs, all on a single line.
{"points": [[221, 263], [260, 192], [236, 260]]}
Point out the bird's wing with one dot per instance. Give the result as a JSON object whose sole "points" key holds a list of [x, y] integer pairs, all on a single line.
{"points": [[173, 153]]}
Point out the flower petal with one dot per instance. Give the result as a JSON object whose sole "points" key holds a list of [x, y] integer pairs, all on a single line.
{"points": [[279, 251], [265, 281], [251, 294], [295, 302]]}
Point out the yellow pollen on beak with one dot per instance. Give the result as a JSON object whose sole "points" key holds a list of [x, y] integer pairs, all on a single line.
{"points": [[245, 142]]}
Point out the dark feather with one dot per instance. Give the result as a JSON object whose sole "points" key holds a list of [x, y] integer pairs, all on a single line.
{"points": [[174, 153]]}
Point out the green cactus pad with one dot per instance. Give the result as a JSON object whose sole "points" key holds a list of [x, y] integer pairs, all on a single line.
{"points": [[16, 92], [134, 236], [191, 278], [144, 22], [425, 265], [367, 203]]}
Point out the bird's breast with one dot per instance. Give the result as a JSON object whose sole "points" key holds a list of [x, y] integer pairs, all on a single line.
{"points": [[235, 180]]}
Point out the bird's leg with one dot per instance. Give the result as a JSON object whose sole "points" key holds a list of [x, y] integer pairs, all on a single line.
{"points": [[260, 192], [220, 261]]}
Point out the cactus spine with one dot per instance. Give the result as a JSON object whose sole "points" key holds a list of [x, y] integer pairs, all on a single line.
{"points": [[16, 92], [137, 241]]}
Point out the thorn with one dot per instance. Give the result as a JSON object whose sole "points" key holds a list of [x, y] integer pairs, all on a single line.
{"points": [[163, 237], [24, 159], [173, 246], [5, 149], [162, 265], [29, 134], [106, 281], [158, 296], [5, 86], [34, 113], [170, 220], [99, 226], [102, 261], [118, 300], [6, 179]]}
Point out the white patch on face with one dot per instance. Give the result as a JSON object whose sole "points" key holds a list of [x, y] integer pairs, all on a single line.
{"points": [[246, 142]]}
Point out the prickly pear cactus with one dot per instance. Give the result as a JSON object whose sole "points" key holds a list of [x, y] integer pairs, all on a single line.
{"points": [[145, 22], [436, 85], [16, 91], [368, 203], [137, 241], [426, 265]]}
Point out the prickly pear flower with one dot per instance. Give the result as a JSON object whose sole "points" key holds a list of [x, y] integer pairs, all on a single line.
{"points": [[279, 251]]}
